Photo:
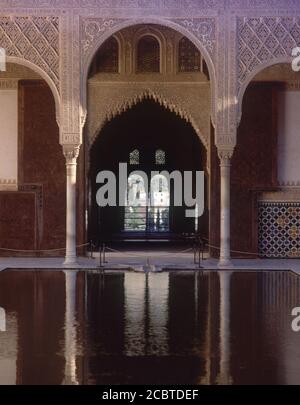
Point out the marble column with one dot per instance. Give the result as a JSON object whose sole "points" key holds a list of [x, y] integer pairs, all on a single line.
{"points": [[225, 156], [71, 153]]}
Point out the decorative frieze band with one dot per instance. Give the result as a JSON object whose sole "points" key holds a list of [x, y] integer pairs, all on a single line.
{"points": [[8, 185], [130, 4], [8, 84], [282, 195], [292, 86], [193, 5]]}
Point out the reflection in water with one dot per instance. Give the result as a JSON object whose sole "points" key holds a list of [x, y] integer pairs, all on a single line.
{"points": [[2, 320], [75, 327], [145, 325], [224, 374], [70, 328], [8, 343]]}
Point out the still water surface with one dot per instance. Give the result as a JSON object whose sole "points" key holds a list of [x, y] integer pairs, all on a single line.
{"points": [[173, 327]]}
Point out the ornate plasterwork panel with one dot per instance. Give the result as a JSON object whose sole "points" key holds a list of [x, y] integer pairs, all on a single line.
{"points": [[189, 101], [112, 4], [203, 29], [33, 38], [93, 32], [71, 114], [262, 40], [92, 29]]}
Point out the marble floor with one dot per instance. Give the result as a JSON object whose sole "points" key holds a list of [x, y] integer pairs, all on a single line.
{"points": [[148, 261]]}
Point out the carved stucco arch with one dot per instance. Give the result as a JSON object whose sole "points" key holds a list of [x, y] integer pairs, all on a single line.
{"points": [[111, 27], [262, 41], [129, 102], [259, 68], [44, 75]]}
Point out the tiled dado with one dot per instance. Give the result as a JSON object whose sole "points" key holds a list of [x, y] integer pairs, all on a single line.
{"points": [[278, 224]]}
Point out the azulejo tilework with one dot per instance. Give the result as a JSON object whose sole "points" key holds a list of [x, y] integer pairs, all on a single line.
{"points": [[279, 231]]}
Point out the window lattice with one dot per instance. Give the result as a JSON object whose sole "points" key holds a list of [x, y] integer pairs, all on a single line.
{"points": [[148, 55], [189, 58], [278, 229], [160, 157], [134, 157], [108, 57]]}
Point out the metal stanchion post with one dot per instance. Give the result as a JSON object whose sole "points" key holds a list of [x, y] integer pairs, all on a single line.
{"points": [[104, 260], [200, 251], [91, 248], [100, 255]]}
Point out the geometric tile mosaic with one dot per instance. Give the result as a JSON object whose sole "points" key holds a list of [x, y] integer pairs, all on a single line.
{"points": [[279, 229]]}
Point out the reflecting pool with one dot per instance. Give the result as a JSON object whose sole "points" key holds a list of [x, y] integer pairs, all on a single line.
{"points": [[68, 327]]}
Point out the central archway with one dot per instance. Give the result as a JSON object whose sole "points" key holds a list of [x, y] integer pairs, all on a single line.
{"points": [[147, 137], [98, 36]]}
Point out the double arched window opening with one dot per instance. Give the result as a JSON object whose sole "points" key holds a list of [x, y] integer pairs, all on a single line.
{"points": [[147, 205], [147, 56]]}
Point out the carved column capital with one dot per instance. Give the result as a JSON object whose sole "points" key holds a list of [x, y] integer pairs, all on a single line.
{"points": [[225, 154], [71, 153]]}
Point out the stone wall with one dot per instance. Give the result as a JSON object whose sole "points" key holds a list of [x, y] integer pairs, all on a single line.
{"points": [[254, 163]]}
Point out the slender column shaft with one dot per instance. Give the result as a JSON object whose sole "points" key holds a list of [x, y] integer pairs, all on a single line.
{"points": [[225, 210], [71, 166]]}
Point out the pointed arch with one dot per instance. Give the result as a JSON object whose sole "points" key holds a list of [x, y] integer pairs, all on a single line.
{"points": [[259, 68], [116, 25], [44, 75], [127, 103]]}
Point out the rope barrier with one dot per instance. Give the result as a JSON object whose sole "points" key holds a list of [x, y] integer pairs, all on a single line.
{"points": [[143, 254], [39, 251], [127, 253], [232, 250]]}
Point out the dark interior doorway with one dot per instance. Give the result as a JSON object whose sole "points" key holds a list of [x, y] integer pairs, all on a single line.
{"points": [[147, 137]]}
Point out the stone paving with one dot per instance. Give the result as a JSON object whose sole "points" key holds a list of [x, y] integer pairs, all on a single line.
{"points": [[148, 261]]}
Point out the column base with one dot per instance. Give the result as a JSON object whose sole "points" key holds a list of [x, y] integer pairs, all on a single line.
{"points": [[70, 261], [225, 263]]}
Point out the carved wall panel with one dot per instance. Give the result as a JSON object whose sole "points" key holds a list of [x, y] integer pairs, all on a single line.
{"points": [[262, 40], [33, 38], [203, 31], [190, 101], [93, 32]]}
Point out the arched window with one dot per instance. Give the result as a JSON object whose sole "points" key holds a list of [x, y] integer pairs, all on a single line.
{"points": [[134, 157], [107, 58], [160, 157], [136, 206], [158, 211], [159, 191], [189, 58], [148, 55]]}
